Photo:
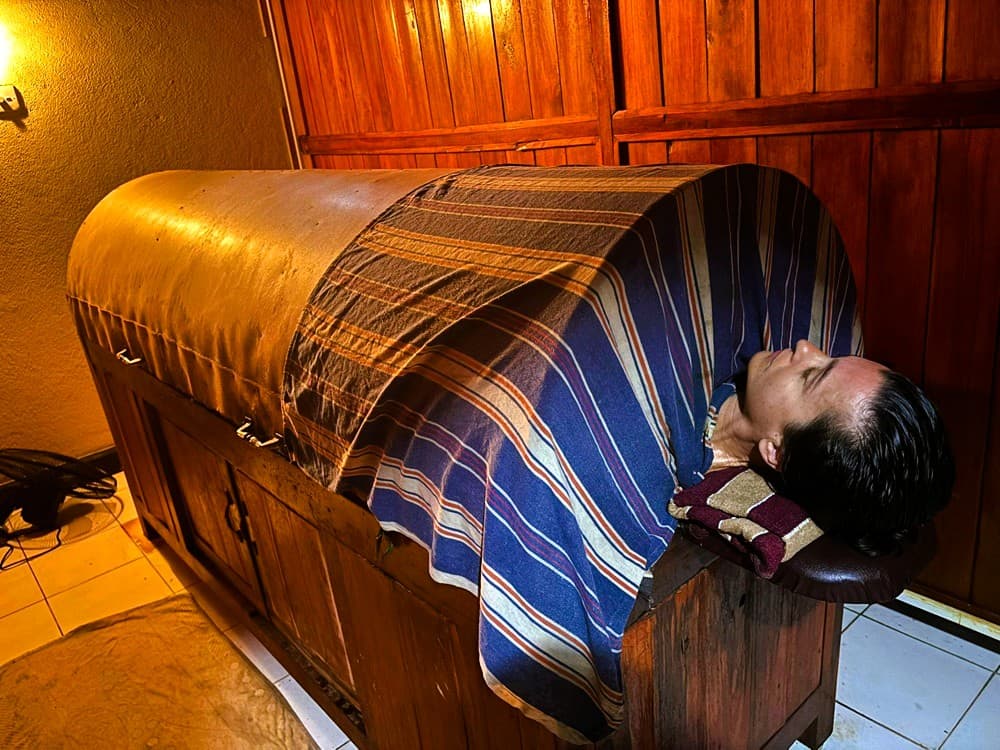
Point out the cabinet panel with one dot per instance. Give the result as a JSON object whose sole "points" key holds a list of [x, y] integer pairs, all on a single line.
{"points": [[388, 625], [136, 449], [301, 593], [215, 521]]}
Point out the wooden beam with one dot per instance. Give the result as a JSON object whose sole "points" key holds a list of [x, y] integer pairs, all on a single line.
{"points": [[573, 130], [906, 107]]}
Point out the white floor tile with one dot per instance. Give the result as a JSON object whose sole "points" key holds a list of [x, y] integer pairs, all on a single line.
{"points": [[26, 630], [855, 607], [905, 684], [254, 650], [320, 726], [18, 587], [177, 574], [852, 731], [849, 617], [80, 560], [129, 586], [980, 728], [935, 637]]}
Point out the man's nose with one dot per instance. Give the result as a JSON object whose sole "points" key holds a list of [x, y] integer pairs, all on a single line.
{"points": [[806, 351]]}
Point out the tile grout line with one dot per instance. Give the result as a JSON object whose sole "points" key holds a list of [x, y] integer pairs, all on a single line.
{"points": [[947, 620], [15, 566], [927, 643], [45, 596], [162, 577], [884, 726], [94, 577], [28, 558], [967, 709]]}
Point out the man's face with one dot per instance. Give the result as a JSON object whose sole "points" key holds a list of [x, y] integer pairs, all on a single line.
{"points": [[794, 386]]}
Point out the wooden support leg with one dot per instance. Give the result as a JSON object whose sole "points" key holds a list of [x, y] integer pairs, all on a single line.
{"points": [[818, 732], [147, 530]]}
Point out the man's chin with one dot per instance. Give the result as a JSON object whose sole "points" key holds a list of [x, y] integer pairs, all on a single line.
{"points": [[758, 360]]}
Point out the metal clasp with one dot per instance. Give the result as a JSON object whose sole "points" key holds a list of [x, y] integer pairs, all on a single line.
{"points": [[269, 443], [123, 356], [243, 432]]}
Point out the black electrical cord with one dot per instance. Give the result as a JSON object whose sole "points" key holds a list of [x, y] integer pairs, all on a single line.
{"points": [[38, 484]]}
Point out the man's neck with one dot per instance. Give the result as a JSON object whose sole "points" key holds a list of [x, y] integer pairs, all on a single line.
{"points": [[731, 444]]}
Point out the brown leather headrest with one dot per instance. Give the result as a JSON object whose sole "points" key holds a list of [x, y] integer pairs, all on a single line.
{"points": [[830, 570]]}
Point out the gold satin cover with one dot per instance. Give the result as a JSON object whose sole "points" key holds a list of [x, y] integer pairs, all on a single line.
{"points": [[204, 274]]}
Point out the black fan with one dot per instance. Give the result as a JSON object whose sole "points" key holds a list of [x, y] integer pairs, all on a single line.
{"points": [[39, 482]]}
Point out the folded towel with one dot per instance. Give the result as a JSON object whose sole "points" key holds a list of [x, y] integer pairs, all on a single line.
{"points": [[739, 504]]}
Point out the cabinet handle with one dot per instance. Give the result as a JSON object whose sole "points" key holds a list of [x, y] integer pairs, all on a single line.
{"points": [[234, 520], [123, 356]]}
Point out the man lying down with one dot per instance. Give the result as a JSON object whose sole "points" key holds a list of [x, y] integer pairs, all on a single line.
{"points": [[518, 367], [858, 446]]}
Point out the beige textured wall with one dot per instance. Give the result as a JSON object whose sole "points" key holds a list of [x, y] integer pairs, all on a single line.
{"points": [[115, 89]]}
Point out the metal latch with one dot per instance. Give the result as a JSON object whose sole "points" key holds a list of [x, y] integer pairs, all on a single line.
{"points": [[243, 432], [123, 356]]}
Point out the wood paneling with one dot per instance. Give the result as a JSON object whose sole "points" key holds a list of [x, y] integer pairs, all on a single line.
{"points": [[683, 42], [961, 336], [910, 41], [512, 61], [845, 44], [433, 64], [985, 582], [576, 70], [641, 84], [785, 29], [899, 257], [732, 40], [733, 150], [542, 54], [690, 152], [793, 153], [858, 98], [973, 38], [842, 180]]}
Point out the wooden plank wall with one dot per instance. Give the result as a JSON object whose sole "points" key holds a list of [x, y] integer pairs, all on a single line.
{"points": [[888, 109], [448, 83]]}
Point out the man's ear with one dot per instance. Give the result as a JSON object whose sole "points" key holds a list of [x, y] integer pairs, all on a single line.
{"points": [[770, 451]]}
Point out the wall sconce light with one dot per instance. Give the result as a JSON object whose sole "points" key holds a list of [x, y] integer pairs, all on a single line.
{"points": [[12, 106]]}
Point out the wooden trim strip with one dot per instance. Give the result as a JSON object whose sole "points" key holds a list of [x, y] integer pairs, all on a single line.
{"points": [[599, 15], [972, 104], [294, 115], [576, 130]]}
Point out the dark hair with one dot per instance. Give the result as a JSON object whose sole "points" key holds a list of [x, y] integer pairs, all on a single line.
{"points": [[876, 480]]}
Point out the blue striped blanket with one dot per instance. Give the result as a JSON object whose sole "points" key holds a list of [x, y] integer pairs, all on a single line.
{"points": [[516, 366]]}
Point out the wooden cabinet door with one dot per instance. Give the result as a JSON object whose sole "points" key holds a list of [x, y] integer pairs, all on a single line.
{"points": [[208, 507], [136, 448], [301, 593]]}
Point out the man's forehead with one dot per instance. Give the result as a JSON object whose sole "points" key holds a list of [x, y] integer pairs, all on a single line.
{"points": [[853, 378]]}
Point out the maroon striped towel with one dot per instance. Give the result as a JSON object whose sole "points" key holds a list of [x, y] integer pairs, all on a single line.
{"points": [[741, 506]]}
